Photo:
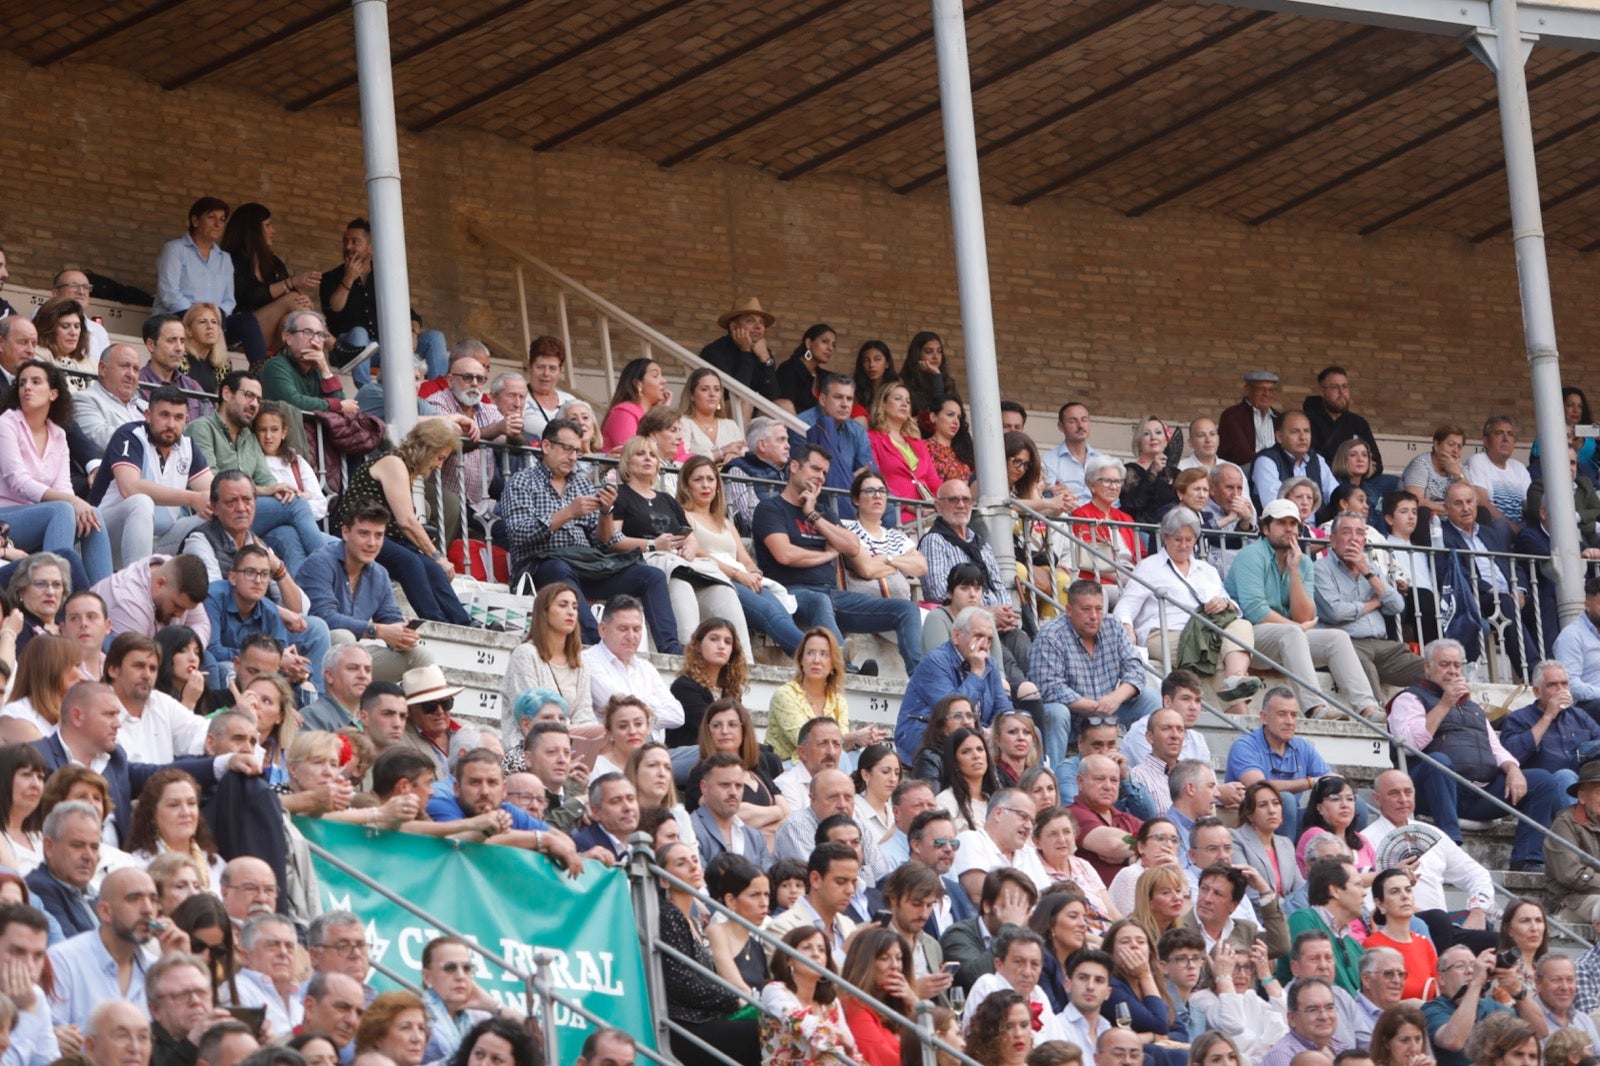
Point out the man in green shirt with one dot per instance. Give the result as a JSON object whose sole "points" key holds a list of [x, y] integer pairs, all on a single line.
{"points": [[299, 374], [283, 519]]}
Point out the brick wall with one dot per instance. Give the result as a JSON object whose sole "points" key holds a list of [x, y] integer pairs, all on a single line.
{"points": [[1159, 313]]}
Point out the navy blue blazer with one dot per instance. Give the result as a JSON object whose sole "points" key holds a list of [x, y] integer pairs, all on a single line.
{"points": [[1496, 537], [127, 779], [592, 836], [59, 900]]}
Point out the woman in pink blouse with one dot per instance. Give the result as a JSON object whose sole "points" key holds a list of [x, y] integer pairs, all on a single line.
{"points": [[640, 387], [36, 497], [897, 448]]}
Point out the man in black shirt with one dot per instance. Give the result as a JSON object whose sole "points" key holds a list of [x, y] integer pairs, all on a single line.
{"points": [[742, 354], [797, 546], [1332, 421], [351, 308]]}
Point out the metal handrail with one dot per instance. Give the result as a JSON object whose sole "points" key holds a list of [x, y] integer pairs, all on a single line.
{"points": [[1338, 703], [610, 311], [642, 868]]}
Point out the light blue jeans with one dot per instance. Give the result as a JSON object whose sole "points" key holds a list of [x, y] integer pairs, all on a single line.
{"points": [[430, 345], [290, 528], [53, 527]]}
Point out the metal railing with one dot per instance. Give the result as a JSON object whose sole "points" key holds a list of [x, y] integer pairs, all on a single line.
{"points": [[1337, 702], [646, 879], [652, 342]]}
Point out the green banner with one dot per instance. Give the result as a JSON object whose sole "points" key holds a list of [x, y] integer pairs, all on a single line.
{"points": [[508, 900]]}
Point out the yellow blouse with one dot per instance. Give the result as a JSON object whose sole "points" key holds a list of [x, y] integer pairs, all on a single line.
{"points": [[791, 709]]}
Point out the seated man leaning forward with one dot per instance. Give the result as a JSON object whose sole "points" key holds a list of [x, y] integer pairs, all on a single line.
{"points": [[355, 596]]}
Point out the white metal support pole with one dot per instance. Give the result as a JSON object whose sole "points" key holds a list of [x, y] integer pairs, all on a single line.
{"points": [[1538, 314], [972, 276], [382, 147]]}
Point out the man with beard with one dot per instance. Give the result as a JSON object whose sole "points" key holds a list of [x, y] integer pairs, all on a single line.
{"points": [[465, 396], [164, 338], [151, 475], [1332, 421], [108, 962]]}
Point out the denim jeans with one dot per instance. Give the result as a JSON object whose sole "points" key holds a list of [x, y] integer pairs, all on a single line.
{"points": [[427, 587], [768, 614], [1447, 802], [290, 528], [53, 527], [430, 345], [855, 612]]}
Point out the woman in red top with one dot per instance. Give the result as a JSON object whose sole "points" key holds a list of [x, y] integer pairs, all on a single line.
{"points": [[1394, 908], [897, 448], [1104, 477], [878, 964]]}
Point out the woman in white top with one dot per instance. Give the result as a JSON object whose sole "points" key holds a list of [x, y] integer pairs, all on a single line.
{"points": [[287, 465], [546, 357], [877, 775], [1188, 582], [627, 723], [580, 414], [766, 604], [705, 431], [1156, 844], [48, 667], [550, 657], [891, 558], [1411, 569], [25, 768]]}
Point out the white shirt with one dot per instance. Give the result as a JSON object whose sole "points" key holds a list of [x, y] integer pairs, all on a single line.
{"points": [[166, 730], [795, 784], [101, 414], [609, 675], [989, 984], [1507, 485], [1152, 774], [1266, 432], [978, 851], [1138, 607], [1075, 1029], [1136, 745], [23, 711], [1444, 863]]}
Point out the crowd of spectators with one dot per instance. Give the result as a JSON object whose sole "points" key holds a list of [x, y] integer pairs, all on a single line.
{"points": [[200, 634]]}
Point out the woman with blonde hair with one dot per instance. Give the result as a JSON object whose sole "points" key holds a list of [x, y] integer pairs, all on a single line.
{"points": [[1160, 898], [1148, 488], [178, 876], [1015, 746], [549, 657], [627, 723], [816, 690], [897, 449], [763, 602], [651, 521], [48, 666], [650, 770], [64, 334], [409, 551], [205, 351], [270, 698]]}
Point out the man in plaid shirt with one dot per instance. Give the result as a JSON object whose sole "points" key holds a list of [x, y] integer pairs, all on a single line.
{"points": [[1086, 667], [552, 514]]}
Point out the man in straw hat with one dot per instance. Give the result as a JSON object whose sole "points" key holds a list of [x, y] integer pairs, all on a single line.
{"points": [[742, 354]]}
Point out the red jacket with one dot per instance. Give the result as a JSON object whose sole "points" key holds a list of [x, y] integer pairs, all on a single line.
{"points": [[879, 1044]]}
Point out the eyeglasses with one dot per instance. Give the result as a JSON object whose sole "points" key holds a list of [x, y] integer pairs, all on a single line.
{"points": [[1018, 460], [42, 585], [874, 492], [192, 995], [561, 446], [957, 501], [1100, 719], [457, 967], [200, 947], [1392, 975], [1108, 481], [346, 947], [1163, 838], [1187, 959], [1019, 812], [315, 334], [1448, 966], [436, 706], [253, 573], [471, 379]]}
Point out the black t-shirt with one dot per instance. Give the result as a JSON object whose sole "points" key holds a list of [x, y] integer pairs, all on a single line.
{"points": [[797, 384], [647, 518], [778, 515], [746, 368]]}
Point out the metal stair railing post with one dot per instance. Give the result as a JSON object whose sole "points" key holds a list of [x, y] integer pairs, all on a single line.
{"points": [[1338, 703], [643, 860], [647, 910], [609, 311]]}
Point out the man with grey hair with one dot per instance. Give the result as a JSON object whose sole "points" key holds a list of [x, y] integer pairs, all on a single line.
{"points": [[111, 402], [177, 988], [1231, 511], [463, 394], [1552, 733], [299, 374], [614, 809], [963, 665], [230, 1043], [71, 842], [266, 979], [346, 673], [1438, 716], [1352, 596], [767, 459], [117, 1033], [1555, 977], [1004, 839], [1383, 984], [337, 943], [1192, 784], [1501, 479], [832, 792]]}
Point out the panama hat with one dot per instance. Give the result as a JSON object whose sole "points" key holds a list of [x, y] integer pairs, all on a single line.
{"points": [[427, 684], [748, 306]]}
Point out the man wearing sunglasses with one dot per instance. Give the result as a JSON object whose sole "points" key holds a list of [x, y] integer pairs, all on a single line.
{"points": [[933, 843], [464, 394]]}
